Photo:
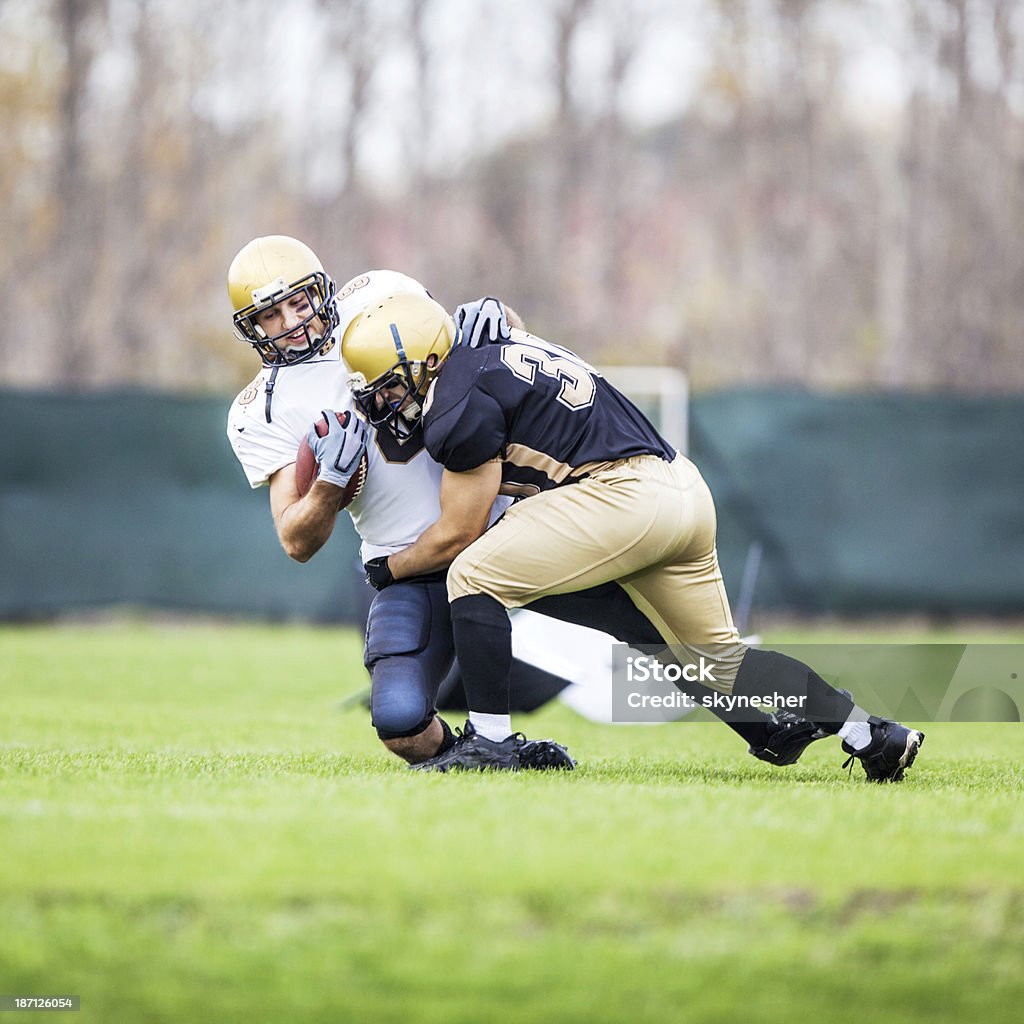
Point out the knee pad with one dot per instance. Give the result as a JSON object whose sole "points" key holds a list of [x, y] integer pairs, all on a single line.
{"points": [[408, 652], [400, 700]]}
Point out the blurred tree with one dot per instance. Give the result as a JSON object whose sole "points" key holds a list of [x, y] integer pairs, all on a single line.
{"points": [[77, 219], [779, 227]]}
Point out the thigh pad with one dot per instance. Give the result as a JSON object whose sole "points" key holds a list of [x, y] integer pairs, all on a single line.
{"points": [[401, 618]]}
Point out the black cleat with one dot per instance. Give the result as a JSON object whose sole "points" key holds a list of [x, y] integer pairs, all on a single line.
{"points": [[544, 755], [789, 736], [890, 753], [473, 752], [788, 739]]}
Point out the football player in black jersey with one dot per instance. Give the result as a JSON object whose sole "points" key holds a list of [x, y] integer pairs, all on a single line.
{"points": [[778, 739], [607, 500]]}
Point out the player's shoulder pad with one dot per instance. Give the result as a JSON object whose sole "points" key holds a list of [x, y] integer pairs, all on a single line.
{"points": [[460, 372], [463, 424]]}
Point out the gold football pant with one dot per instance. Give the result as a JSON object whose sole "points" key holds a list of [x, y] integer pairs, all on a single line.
{"points": [[643, 522]]}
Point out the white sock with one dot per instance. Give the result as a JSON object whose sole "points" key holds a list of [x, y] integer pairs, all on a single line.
{"points": [[856, 730], [493, 727]]}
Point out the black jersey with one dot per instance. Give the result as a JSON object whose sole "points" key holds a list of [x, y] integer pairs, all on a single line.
{"points": [[550, 417]]}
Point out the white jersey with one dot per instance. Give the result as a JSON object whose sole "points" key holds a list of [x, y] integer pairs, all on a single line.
{"points": [[401, 495]]}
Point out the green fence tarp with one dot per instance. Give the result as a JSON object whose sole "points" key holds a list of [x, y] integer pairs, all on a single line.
{"points": [[138, 500], [861, 504], [869, 503]]}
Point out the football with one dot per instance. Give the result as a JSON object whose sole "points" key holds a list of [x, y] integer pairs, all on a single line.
{"points": [[307, 469]]}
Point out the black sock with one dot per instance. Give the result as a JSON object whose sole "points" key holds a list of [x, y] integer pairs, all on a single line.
{"points": [[483, 647], [766, 672], [447, 738], [750, 724]]}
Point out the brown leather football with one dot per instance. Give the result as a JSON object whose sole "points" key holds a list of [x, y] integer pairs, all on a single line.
{"points": [[307, 469]]}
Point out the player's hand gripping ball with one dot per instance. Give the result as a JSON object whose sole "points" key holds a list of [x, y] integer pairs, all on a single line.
{"points": [[334, 450]]}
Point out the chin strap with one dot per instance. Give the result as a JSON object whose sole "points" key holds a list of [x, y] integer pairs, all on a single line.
{"points": [[270, 388]]}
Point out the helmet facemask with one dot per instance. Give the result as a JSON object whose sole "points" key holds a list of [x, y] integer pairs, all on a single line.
{"points": [[317, 327], [400, 413]]}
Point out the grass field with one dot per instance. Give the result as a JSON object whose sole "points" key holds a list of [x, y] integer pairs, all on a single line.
{"points": [[191, 831]]}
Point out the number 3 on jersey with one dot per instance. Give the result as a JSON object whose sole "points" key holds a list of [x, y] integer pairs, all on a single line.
{"points": [[524, 360]]}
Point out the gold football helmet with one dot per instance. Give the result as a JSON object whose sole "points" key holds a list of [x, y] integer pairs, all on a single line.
{"points": [[273, 270], [394, 349]]}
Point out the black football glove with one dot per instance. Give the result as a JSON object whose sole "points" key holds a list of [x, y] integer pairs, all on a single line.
{"points": [[378, 575]]}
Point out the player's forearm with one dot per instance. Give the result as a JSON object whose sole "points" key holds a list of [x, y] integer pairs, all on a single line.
{"points": [[305, 526], [433, 550], [466, 500]]}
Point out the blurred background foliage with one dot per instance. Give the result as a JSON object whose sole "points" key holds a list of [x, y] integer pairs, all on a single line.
{"points": [[825, 193]]}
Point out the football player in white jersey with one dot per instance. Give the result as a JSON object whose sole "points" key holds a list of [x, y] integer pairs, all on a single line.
{"points": [[289, 310]]}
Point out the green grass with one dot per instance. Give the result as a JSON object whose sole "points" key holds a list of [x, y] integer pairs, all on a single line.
{"points": [[191, 831]]}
